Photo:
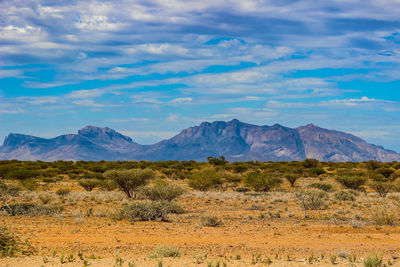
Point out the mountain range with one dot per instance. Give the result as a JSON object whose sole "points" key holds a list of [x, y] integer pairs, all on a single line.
{"points": [[236, 140]]}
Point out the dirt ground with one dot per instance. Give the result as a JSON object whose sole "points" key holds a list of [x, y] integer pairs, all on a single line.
{"points": [[251, 235]]}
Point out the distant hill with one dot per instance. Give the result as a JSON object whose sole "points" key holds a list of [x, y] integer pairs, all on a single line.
{"points": [[237, 141]]}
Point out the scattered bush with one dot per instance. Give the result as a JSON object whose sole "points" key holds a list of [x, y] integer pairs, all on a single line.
{"points": [[344, 196], [161, 190], [165, 252], [217, 161], [205, 179], [89, 184], [210, 221], [261, 182], [323, 187], [129, 180], [147, 211], [30, 209]]}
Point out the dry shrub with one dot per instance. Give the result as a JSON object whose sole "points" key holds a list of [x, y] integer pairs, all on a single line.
{"points": [[312, 199], [344, 196], [165, 252], [210, 221], [383, 217], [148, 211], [30, 209]]}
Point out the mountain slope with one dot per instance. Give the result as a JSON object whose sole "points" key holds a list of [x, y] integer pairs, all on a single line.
{"points": [[331, 145], [235, 140]]}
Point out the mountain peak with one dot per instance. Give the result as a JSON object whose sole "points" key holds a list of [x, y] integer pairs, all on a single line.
{"points": [[107, 133], [14, 139]]}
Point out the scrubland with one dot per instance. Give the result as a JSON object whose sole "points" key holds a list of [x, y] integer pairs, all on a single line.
{"points": [[189, 213]]}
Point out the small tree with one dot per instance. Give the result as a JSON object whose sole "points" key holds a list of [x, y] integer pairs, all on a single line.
{"points": [[129, 180], [292, 178]]}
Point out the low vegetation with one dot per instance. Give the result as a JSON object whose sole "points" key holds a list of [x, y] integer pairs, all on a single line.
{"points": [[205, 197]]}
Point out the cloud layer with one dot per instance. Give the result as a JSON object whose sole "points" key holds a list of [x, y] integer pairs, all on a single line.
{"points": [[142, 66]]}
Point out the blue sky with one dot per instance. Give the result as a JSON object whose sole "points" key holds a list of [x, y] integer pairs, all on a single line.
{"points": [[151, 68]]}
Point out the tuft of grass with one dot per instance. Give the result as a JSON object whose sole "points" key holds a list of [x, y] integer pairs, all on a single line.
{"points": [[165, 252]]}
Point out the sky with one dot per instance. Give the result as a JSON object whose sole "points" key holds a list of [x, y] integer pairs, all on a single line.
{"points": [[149, 69]]}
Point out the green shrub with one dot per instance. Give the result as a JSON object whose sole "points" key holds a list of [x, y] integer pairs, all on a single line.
{"points": [[351, 182], [210, 221], [89, 184], [129, 180], [344, 196], [205, 179], [161, 190], [321, 186], [30, 209], [260, 182], [165, 252], [373, 262], [148, 211]]}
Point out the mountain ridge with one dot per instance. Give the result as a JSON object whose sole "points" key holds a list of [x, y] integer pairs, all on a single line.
{"points": [[236, 140]]}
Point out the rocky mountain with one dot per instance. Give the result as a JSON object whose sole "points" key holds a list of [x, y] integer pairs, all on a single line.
{"points": [[237, 141]]}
